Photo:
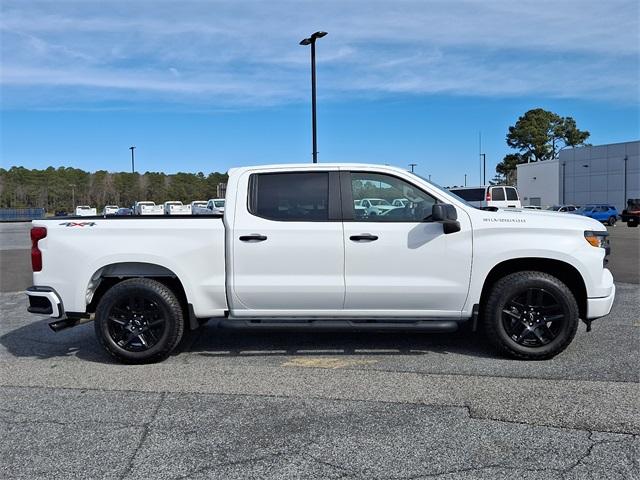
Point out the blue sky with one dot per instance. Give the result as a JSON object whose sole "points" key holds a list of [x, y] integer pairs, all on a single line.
{"points": [[204, 86]]}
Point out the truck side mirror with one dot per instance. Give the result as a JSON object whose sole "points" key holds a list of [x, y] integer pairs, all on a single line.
{"points": [[447, 215]]}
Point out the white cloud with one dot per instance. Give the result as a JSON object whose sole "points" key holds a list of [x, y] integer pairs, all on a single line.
{"points": [[225, 53]]}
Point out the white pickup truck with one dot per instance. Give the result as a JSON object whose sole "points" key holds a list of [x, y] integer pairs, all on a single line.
{"points": [[176, 207], [148, 208], [289, 253]]}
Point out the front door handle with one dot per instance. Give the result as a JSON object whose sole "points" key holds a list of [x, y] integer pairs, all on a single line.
{"points": [[254, 237], [363, 237]]}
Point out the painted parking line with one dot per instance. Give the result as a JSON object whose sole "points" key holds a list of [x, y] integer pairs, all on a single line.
{"points": [[326, 362]]}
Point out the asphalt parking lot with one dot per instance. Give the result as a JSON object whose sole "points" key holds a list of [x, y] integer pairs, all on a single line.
{"points": [[291, 405]]}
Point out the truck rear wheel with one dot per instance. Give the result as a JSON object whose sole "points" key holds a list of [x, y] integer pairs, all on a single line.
{"points": [[530, 315], [139, 321], [612, 221]]}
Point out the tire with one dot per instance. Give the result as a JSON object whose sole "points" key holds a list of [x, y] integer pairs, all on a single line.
{"points": [[125, 333], [530, 315], [612, 221]]}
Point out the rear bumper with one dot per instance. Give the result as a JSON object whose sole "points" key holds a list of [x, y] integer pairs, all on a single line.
{"points": [[601, 306], [44, 301]]}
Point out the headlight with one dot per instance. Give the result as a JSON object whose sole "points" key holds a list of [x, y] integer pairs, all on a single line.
{"points": [[597, 239]]}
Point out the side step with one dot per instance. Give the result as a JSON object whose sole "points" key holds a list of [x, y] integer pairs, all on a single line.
{"points": [[317, 324]]}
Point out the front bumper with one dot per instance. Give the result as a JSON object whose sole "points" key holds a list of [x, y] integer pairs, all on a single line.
{"points": [[44, 301], [601, 306]]}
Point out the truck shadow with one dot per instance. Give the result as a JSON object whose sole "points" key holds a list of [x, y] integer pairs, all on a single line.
{"points": [[36, 340]]}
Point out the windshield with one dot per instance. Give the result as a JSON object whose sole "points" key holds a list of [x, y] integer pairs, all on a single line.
{"points": [[219, 203]]}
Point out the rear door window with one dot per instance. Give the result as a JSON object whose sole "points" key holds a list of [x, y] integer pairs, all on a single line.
{"points": [[512, 193], [301, 197], [497, 193]]}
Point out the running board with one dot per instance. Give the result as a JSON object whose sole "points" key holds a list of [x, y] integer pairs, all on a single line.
{"points": [[336, 324]]}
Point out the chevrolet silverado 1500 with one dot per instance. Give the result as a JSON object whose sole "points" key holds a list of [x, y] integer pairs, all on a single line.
{"points": [[290, 252]]}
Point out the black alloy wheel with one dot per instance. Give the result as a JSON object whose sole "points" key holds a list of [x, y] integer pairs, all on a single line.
{"points": [[533, 318], [139, 320], [530, 315], [136, 323]]}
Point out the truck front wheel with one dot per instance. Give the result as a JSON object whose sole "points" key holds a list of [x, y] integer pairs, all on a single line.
{"points": [[139, 320], [530, 315]]}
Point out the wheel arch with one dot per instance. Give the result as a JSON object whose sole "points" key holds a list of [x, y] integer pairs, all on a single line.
{"points": [[109, 275], [563, 271]]}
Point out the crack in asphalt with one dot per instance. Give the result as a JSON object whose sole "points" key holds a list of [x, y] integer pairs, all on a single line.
{"points": [[146, 427], [589, 451], [470, 412]]}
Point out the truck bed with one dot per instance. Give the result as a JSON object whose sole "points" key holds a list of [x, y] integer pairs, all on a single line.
{"points": [[79, 249]]}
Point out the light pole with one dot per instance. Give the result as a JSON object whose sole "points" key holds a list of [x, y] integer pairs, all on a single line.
{"points": [[133, 168], [412, 165], [312, 41], [484, 168], [465, 179]]}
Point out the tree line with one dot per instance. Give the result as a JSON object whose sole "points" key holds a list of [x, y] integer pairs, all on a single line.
{"points": [[58, 189]]}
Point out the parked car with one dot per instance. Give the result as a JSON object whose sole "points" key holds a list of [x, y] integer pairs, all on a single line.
{"points": [[631, 214], [603, 213], [176, 207], [199, 207], [124, 212], [376, 206], [500, 196], [85, 211], [60, 213], [289, 253], [563, 208], [110, 209], [400, 202], [216, 205], [532, 207], [148, 208]]}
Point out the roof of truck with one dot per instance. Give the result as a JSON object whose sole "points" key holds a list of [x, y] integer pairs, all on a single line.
{"points": [[314, 166]]}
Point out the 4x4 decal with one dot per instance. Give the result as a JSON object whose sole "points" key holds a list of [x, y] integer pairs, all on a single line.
{"points": [[78, 224]]}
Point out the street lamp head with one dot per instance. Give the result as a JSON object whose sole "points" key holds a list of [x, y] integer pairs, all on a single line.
{"points": [[312, 38]]}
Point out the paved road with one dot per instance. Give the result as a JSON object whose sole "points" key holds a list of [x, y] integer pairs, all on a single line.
{"points": [[259, 405]]}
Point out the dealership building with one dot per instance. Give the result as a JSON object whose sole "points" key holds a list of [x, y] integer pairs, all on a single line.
{"points": [[583, 175]]}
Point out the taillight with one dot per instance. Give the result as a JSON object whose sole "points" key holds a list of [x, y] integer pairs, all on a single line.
{"points": [[37, 234], [488, 197]]}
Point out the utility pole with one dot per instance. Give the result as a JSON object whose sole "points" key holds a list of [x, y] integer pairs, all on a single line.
{"points": [[312, 41], [73, 196], [480, 153], [624, 200], [465, 179], [412, 165], [484, 168], [133, 163]]}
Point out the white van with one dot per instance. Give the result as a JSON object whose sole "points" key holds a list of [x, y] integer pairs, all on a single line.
{"points": [[501, 196]]}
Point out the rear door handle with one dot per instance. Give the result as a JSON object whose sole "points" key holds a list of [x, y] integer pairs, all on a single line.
{"points": [[363, 237], [254, 237]]}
